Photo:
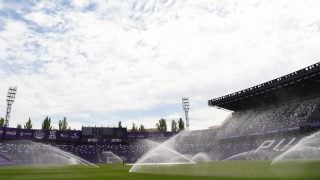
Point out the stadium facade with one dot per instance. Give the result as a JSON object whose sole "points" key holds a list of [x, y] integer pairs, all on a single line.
{"points": [[267, 120]]}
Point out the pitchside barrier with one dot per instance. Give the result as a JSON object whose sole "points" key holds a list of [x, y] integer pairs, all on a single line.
{"points": [[39, 135]]}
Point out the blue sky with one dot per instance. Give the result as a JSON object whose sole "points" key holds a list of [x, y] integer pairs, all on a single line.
{"points": [[98, 62]]}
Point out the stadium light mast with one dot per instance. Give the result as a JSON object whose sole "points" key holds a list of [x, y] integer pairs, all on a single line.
{"points": [[185, 107], [10, 99]]}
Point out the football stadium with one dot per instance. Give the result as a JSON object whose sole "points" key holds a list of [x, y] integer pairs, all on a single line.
{"points": [[272, 133], [159, 89]]}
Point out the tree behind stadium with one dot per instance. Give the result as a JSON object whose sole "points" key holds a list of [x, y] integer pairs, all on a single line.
{"points": [[181, 124], [174, 127], [63, 124], [46, 124], [134, 128], [141, 128], [28, 124], [162, 125], [1, 122]]}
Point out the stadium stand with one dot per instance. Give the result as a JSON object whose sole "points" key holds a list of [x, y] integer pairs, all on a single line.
{"points": [[285, 116]]}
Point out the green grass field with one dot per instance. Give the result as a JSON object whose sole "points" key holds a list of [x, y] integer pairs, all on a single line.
{"points": [[215, 170]]}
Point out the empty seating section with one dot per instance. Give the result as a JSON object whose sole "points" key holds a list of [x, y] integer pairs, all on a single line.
{"points": [[270, 118]]}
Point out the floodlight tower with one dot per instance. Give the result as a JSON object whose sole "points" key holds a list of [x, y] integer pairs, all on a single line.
{"points": [[10, 99], [185, 107]]}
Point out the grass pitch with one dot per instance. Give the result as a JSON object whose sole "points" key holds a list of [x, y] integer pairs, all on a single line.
{"points": [[214, 170]]}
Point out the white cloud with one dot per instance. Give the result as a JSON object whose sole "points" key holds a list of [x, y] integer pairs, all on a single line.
{"points": [[44, 20], [137, 55]]}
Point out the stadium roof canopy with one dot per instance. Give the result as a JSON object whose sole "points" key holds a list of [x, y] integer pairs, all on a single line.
{"points": [[304, 82]]}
